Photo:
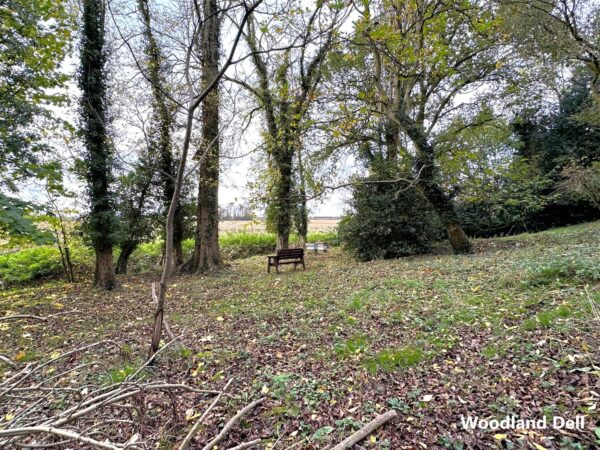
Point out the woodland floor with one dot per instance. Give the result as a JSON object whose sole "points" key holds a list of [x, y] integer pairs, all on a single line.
{"points": [[507, 330]]}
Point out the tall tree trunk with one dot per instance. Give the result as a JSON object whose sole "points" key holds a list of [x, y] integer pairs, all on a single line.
{"points": [[207, 254], [193, 103], [283, 192], [104, 275], [302, 211], [178, 237], [92, 81], [127, 248], [165, 117], [427, 172], [427, 180], [392, 140]]}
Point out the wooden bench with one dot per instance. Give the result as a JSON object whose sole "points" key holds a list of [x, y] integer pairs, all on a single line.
{"points": [[293, 256]]}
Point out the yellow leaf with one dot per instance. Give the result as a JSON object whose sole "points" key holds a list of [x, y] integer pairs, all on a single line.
{"points": [[19, 356], [500, 436], [585, 347], [372, 439], [220, 319], [55, 354], [265, 389], [9, 416], [539, 447]]}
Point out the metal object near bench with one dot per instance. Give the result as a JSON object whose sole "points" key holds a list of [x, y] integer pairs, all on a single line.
{"points": [[316, 247]]}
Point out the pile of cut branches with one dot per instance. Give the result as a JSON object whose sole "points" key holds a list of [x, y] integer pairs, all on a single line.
{"points": [[45, 405]]}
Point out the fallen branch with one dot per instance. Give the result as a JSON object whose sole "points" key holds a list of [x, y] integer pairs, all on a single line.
{"points": [[27, 431], [366, 430], [150, 360], [186, 442], [246, 445], [51, 361], [23, 316], [33, 317], [5, 359], [229, 425]]}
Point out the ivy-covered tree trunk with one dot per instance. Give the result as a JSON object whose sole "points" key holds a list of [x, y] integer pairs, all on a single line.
{"points": [[98, 157], [286, 105], [283, 155], [207, 254], [427, 175], [127, 248], [164, 117], [301, 219]]}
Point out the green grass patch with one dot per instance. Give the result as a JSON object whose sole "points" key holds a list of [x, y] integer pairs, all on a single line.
{"points": [[353, 346], [389, 360], [579, 264]]}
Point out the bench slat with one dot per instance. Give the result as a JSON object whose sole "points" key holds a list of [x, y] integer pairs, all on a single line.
{"points": [[293, 256]]}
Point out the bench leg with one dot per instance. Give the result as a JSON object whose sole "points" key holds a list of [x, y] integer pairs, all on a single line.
{"points": [[269, 266], [303, 265], [276, 267]]}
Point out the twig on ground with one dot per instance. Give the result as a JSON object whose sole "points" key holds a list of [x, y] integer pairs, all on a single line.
{"points": [[246, 445], [27, 431], [33, 317], [51, 361], [5, 359], [229, 425], [186, 442], [366, 430], [23, 316]]}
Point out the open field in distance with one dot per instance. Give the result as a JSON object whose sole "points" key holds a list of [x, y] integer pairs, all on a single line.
{"points": [[316, 224]]}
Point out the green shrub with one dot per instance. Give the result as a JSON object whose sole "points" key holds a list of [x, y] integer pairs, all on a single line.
{"points": [[29, 264], [388, 221], [331, 238], [42, 261]]}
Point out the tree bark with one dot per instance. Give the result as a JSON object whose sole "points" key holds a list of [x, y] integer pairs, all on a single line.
{"points": [[127, 248], [164, 117], [193, 103], [302, 212], [427, 173], [98, 158], [207, 253], [285, 109], [283, 192], [178, 238], [104, 275]]}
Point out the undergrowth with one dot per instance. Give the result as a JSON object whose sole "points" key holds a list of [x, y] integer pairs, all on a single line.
{"points": [[34, 263]]}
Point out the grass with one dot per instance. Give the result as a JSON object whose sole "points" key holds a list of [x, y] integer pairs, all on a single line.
{"points": [[43, 262], [434, 337]]}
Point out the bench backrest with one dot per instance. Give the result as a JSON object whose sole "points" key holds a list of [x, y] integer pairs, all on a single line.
{"points": [[290, 253]]}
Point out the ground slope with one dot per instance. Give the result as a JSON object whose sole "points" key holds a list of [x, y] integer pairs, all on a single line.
{"points": [[508, 330]]}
